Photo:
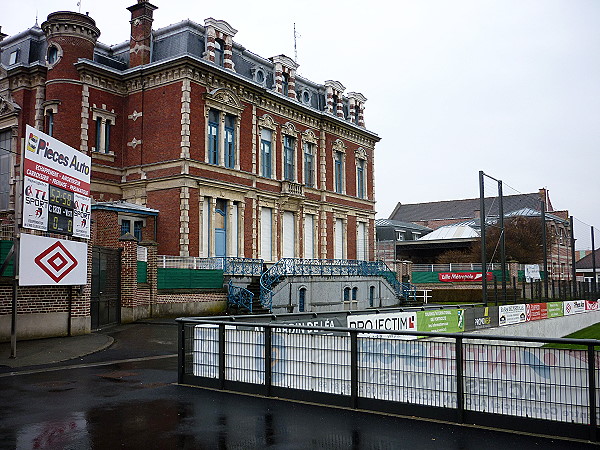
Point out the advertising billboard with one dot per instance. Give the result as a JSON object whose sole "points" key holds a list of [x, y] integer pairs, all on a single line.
{"points": [[56, 186]]}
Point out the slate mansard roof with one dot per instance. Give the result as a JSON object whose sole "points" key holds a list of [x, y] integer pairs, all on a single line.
{"points": [[185, 38]]}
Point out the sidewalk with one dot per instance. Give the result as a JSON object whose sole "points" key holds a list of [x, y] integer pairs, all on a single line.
{"points": [[39, 352]]}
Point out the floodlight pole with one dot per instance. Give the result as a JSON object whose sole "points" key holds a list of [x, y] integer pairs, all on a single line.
{"points": [[573, 268], [502, 243], [593, 263], [482, 228], [545, 248]]}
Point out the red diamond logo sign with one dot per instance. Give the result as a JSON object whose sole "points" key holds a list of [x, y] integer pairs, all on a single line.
{"points": [[56, 261]]}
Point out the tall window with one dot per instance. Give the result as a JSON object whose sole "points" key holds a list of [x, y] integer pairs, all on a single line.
{"points": [[213, 136], [266, 152], [5, 153], [104, 122], [229, 141], [288, 158], [50, 123], [360, 178], [301, 299], [339, 172], [309, 164], [219, 52]]}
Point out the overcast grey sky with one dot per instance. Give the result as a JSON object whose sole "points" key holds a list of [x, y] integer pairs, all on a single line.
{"points": [[510, 87]]}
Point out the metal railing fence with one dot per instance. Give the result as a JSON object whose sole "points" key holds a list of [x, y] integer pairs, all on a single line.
{"points": [[229, 265], [509, 382], [239, 297], [450, 267]]}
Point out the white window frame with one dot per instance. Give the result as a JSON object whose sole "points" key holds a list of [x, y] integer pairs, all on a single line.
{"points": [[104, 116]]}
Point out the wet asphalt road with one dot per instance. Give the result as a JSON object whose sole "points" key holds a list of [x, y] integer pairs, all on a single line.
{"points": [[126, 397]]}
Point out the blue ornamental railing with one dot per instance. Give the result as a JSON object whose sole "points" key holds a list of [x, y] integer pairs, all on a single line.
{"points": [[329, 267], [239, 297]]}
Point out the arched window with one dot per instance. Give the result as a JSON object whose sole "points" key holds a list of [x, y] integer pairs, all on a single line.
{"points": [[346, 294], [219, 52], [301, 299]]}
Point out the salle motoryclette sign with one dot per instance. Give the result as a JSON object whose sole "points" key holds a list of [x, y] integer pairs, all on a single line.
{"points": [[449, 277]]}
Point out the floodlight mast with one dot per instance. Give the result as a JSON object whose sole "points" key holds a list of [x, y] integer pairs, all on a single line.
{"points": [[482, 228]]}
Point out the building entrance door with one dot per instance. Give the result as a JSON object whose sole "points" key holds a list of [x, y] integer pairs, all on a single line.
{"points": [[105, 300], [220, 229]]}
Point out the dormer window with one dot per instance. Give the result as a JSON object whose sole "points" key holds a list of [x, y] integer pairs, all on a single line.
{"points": [[259, 76], [285, 84], [306, 97], [219, 52], [14, 57]]}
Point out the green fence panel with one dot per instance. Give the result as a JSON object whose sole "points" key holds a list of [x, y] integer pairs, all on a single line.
{"points": [[425, 277], [190, 279], [5, 247], [142, 272]]}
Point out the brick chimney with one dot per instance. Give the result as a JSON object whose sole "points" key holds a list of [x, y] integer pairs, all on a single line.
{"points": [[141, 32]]}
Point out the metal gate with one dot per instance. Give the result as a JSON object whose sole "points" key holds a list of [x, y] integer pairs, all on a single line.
{"points": [[105, 301]]}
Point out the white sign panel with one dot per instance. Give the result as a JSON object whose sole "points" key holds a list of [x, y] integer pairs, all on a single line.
{"points": [[35, 204], [57, 186], [573, 307], [511, 314], [50, 262], [532, 272], [399, 321]]}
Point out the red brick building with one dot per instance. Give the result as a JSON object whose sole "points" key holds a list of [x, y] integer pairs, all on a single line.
{"points": [[188, 122], [239, 154]]}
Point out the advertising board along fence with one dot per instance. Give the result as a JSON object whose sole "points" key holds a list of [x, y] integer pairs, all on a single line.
{"points": [[504, 383]]}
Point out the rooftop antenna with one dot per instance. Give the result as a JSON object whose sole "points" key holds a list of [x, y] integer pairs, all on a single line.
{"points": [[296, 35], [79, 6], [36, 19]]}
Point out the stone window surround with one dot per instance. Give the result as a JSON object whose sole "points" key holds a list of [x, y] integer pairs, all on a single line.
{"points": [[226, 103], [267, 122], [103, 114], [338, 147], [360, 154], [59, 54], [309, 137], [289, 129]]}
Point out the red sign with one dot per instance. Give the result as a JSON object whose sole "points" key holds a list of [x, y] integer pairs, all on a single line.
{"points": [[591, 305], [449, 277], [536, 311]]}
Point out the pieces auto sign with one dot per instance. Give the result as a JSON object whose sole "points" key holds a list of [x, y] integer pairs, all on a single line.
{"points": [[56, 188]]}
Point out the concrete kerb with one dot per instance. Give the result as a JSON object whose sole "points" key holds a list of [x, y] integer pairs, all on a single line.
{"points": [[39, 352]]}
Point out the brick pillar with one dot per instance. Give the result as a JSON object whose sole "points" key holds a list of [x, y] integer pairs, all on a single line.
{"points": [[152, 273], [128, 277], [513, 270], [404, 271]]}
